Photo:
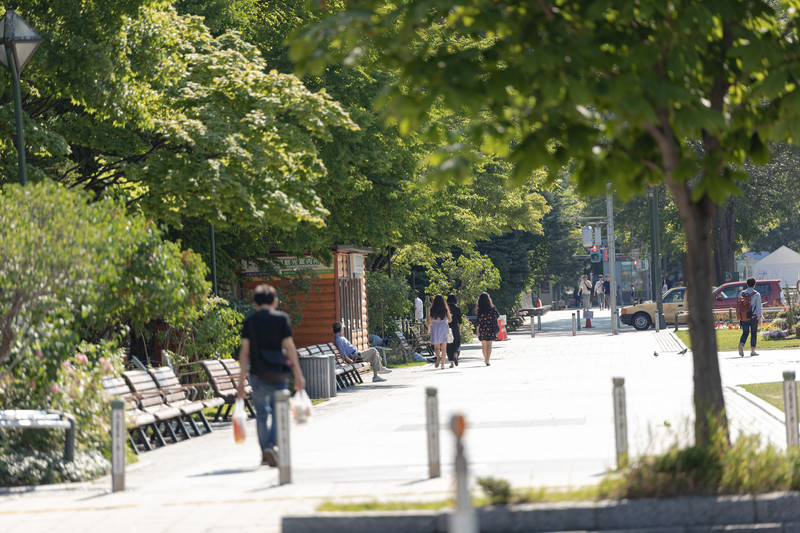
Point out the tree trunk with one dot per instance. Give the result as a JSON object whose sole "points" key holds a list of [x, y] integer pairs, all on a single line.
{"points": [[726, 241], [697, 217]]}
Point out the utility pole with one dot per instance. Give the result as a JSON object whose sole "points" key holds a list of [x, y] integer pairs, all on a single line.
{"points": [[612, 259]]}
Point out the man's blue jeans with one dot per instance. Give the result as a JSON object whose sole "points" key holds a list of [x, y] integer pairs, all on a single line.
{"points": [[264, 401], [751, 327]]}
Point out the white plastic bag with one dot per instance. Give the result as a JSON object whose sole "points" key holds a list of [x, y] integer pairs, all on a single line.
{"points": [[239, 419], [301, 407]]}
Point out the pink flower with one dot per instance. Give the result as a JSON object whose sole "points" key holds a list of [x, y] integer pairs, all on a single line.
{"points": [[54, 388], [81, 358], [39, 354], [105, 365]]}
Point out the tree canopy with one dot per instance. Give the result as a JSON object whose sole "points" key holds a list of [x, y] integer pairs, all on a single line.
{"points": [[132, 99], [621, 91]]}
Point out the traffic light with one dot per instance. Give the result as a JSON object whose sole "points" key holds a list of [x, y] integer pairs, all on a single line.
{"points": [[594, 254]]}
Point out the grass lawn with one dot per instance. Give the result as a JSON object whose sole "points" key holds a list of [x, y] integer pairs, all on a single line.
{"points": [[771, 393], [728, 341]]}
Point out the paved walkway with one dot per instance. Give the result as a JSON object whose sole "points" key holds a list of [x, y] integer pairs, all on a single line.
{"points": [[540, 415]]}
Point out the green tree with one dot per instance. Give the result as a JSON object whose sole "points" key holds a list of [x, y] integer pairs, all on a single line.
{"points": [[621, 90], [466, 275], [174, 120]]}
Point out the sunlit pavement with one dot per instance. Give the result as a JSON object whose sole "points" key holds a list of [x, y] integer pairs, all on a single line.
{"points": [[540, 415]]}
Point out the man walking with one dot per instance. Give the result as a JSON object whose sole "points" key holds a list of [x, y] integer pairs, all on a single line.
{"points": [[418, 308], [351, 354], [748, 311], [607, 291], [269, 356], [585, 291], [598, 291]]}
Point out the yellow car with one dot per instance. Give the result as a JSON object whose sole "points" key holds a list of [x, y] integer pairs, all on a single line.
{"points": [[643, 315]]}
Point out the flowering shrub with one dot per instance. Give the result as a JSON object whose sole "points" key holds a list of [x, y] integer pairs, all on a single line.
{"points": [[773, 335], [36, 456]]}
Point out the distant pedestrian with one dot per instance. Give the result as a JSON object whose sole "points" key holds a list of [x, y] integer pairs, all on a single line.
{"points": [[454, 348], [438, 320], [269, 356], [598, 292], [488, 327], [749, 313], [633, 294], [607, 291], [667, 282], [577, 297], [418, 308], [585, 291]]}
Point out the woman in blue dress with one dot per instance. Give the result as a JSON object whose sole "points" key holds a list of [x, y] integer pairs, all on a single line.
{"points": [[438, 320]]}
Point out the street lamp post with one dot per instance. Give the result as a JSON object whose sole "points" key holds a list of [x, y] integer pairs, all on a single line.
{"points": [[655, 244], [19, 41]]}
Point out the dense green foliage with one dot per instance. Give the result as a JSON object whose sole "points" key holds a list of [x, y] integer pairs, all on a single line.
{"points": [[634, 94], [76, 276], [466, 276], [387, 298]]}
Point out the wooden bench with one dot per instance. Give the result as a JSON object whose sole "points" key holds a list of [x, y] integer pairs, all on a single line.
{"points": [[136, 420], [347, 374], [33, 419], [153, 402], [185, 397], [224, 387], [359, 367], [421, 341]]}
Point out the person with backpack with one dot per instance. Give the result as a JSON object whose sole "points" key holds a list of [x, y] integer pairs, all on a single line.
{"points": [[269, 356], [748, 312]]}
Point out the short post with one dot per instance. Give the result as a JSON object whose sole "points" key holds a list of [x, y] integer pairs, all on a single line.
{"points": [[676, 321], [790, 403], [620, 422], [574, 327], [579, 319], [463, 519], [539, 321], [281, 415], [432, 417], [658, 321], [118, 434], [533, 326], [69, 442]]}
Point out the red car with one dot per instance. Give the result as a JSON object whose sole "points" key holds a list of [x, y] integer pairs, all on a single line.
{"points": [[725, 295]]}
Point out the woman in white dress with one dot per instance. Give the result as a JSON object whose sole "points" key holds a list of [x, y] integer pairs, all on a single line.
{"points": [[438, 325]]}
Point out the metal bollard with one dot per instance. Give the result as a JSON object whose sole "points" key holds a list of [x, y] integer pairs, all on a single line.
{"points": [[539, 322], [463, 519], [658, 321], [574, 328], [790, 404], [432, 417], [281, 415], [118, 441], [676, 321], [578, 312], [620, 422], [533, 326]]}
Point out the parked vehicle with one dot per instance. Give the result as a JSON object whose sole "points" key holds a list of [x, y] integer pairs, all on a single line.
{"points": [[725, 295], [643, 315]]}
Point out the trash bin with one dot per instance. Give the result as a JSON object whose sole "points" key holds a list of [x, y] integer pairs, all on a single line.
{"points": [[320, 374]]}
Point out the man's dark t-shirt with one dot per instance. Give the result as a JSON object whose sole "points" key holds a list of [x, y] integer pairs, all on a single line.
{"points": [[266, 329]]}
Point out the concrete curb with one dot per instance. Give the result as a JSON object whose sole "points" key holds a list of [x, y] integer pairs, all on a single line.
{"points": [[778, 512]]}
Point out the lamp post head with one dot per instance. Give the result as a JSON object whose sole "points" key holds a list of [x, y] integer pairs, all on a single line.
{"points": [[16, 34]]}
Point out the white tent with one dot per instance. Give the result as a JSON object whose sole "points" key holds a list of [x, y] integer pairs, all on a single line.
{"points": [[782, 264]]}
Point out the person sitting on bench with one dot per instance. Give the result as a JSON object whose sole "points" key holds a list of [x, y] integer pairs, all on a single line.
{"points": [[351, 354]]}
